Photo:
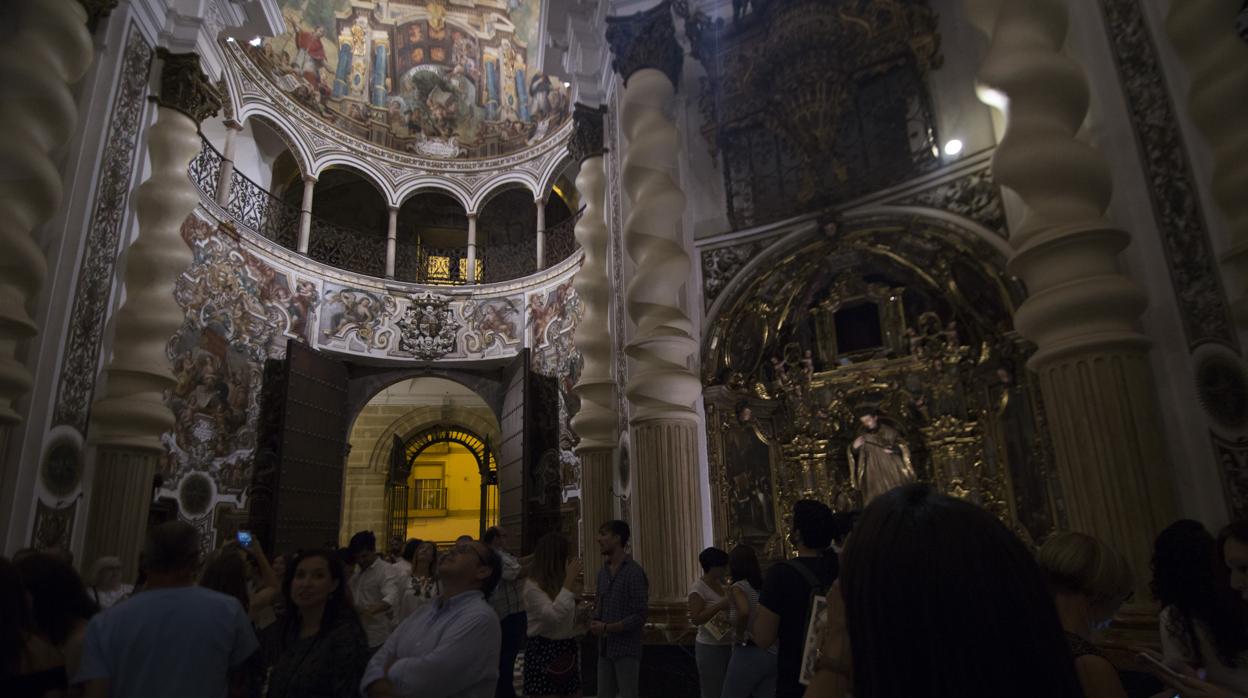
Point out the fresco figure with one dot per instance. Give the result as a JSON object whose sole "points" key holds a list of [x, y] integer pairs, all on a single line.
{"points": [[311, 54]]}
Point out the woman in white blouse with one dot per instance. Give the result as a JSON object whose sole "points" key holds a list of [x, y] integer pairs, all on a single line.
{"points": [[422, 586], [552, 660]]}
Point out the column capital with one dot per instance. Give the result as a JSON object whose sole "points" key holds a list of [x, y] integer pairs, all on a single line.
{"points": [[185, 88], [646, 39], [96, 11], [587, 134], [232, 126], [309, 179]]}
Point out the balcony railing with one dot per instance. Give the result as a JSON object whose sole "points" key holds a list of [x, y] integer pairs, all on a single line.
{"points": [[253, 207], [427, 496]]}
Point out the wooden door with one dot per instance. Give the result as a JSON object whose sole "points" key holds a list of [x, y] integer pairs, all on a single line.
{"points": [[303, 446]]}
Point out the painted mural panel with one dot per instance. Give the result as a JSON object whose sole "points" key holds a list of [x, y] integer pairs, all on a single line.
{"points": [[242, 306], [437, 78], [552, 317]]}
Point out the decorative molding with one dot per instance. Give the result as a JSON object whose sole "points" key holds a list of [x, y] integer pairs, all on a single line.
{"points": [[184, 86], [721, 264], [1222, 389], [1194, 272], [60, 471], [646, 39], [53, 526], [95, 277], [973, 195], [587, 136], [1232, 457]]}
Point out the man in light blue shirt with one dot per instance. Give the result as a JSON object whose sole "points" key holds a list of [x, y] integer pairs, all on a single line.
{"points": [[449, 648], [173, 638]]}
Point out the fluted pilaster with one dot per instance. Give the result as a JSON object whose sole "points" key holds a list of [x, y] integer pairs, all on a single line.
{"points": [[47, 50], [1081, 311], [661, 389], [595, 422], [1203, 32], [130, 415]]}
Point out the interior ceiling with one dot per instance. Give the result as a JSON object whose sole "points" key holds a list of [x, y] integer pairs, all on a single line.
{"points": [[428, 391], [438, 78]]}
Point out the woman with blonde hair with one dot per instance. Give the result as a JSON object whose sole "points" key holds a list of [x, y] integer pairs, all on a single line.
{"points": [[1090, 581]]}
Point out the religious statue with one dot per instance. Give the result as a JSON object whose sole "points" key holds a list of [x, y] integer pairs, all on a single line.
{"points": [[879, 459]]}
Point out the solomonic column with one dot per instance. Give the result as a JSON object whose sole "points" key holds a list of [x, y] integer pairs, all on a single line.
{"points": [[1081, 311], [47, 48], [130, 415], [1203, 32], [662, 389], [595, 423]]}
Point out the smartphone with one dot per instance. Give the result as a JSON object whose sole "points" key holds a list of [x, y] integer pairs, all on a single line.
{"points": [[1158, 664], [244, 538]]}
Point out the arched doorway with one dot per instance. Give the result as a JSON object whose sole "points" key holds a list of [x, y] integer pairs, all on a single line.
{"points": [[431, 485]]}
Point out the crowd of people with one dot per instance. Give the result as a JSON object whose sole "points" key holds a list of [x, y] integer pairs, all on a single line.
{"points": [[920, 594]]}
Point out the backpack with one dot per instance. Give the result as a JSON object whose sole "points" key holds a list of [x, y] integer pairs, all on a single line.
{"points": [[814, 619]]}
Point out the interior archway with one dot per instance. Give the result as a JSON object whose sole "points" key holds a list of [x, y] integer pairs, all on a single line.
{"points": [[444, 432]]}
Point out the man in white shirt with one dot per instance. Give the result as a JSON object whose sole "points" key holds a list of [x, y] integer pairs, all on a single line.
{"points": [[375, 588], [448, 648]]}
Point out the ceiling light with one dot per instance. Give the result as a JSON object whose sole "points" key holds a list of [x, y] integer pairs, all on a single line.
{"points": [[566, 85], [255, 41], [229, 39], [953, 147]]}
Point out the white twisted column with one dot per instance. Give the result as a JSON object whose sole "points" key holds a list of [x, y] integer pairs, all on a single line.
{"points": [[595, 422], [662, 388], [1081, 311], [47, 49], [130, 415], [1203, 32]]}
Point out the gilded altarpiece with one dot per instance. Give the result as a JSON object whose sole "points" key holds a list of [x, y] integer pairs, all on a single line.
{"points": [[903, 319]]}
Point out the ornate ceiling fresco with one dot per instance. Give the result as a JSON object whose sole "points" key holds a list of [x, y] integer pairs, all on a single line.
{"points": [[443, 79]]}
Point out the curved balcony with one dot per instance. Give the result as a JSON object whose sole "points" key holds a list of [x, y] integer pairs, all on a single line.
{"points": [[505, 252]]}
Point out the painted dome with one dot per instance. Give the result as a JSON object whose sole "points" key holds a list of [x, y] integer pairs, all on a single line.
{"points": [[442, 79]]}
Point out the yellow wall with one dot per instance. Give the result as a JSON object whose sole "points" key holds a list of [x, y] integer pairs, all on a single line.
{"points": [[458, 469]]}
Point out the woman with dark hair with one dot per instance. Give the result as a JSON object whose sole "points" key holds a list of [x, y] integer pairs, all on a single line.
{"points": [[708, 611], [937, 598], [1233, 552], [552, 659], [421, 586], [751, 669], [324, 649], [1204, 624], [59, 603], [29, 664]]}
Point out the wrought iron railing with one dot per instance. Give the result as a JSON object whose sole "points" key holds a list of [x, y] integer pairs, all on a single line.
{"points": [[561, 240], [254, 208]]}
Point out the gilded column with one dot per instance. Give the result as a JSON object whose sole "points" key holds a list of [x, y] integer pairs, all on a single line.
{"points": [[392, 230], [1203, 32], [47, 50], [129, 414], [1081, 311], [226, 181], [662, 389], [305, 214], [595, 423]]}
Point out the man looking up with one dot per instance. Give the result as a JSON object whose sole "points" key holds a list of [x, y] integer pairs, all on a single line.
{"points": [[448, 648]]}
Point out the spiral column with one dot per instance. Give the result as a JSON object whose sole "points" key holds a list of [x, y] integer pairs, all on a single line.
{"points": [[595, 422], [1203, 32], [48, 49], [130, 415], [1081, 311], [662, 387]]}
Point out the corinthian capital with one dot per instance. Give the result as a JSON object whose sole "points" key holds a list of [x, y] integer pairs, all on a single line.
{"points": [[646, 39], [185, 88], [587, 137]]}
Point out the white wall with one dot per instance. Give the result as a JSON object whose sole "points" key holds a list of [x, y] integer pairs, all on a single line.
{"points": [[256, 148]]}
